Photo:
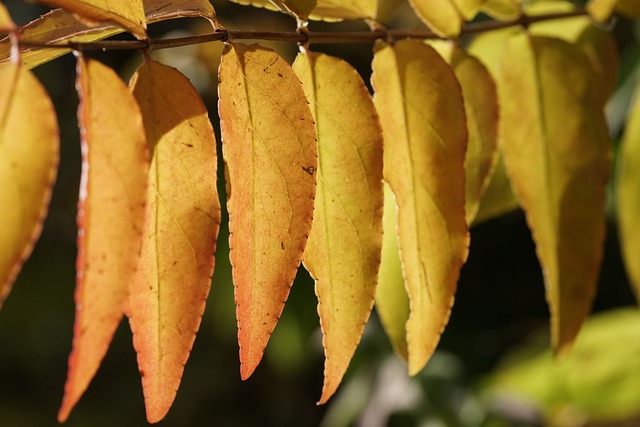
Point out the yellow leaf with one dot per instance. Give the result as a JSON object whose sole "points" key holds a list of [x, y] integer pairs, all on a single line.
{"points": [[628, 196], [489, 48], [469, 8], [498, 198], [6, 23], [556, 150], [602, 51], [392, 301], [334, 10], [269, 144], [182, 218], [128, 14], [110, 214], [60, 26], [481, 107], [343, 250], [503, 10], [422, 113], [601, 10], [598, 44], [29, 150], [442, 16]]}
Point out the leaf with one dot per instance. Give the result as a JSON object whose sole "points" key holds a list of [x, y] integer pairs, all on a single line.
{"points": [[498, 198], [343, 250], [6, 23], [392, 301], [422, 114], [169, 292], [628, 196], [481, 108], [269, 146], [599, 45], [469, 8], [601, 10], [503, 10], [60, 26], [29, 151], [128, 14], [442, 16], [332, 10], [556, 150], [110, 213]]}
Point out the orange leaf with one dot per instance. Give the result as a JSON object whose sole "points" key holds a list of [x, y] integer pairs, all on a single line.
{"points": [[60, 26], [29, 148], [128, 14], [344, 247], [270, 151], [110, 213], [169, 292], [422, 113], [556, 149]]}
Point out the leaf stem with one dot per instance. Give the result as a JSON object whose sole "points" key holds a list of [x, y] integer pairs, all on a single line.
{"points": [[310, 37]]}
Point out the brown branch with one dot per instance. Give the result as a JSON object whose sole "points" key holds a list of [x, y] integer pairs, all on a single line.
{"points": [[300, 37]]}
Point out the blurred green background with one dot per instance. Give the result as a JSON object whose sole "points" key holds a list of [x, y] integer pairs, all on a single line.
{"points": [[492, 367]]}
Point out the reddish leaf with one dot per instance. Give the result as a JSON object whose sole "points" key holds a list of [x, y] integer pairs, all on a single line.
{"points": [[269, 145]]}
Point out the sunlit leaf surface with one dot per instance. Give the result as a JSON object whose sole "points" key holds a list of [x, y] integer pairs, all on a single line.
{"points": [[269, 146], [181, 224], [422, 113], [557, 152], [29, 150], [110, 215], [59, 26], [343, 251], [128, 14]]}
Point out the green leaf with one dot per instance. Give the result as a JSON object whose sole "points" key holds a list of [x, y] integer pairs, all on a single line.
{"points": [[557, 152], [421, 109]]}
